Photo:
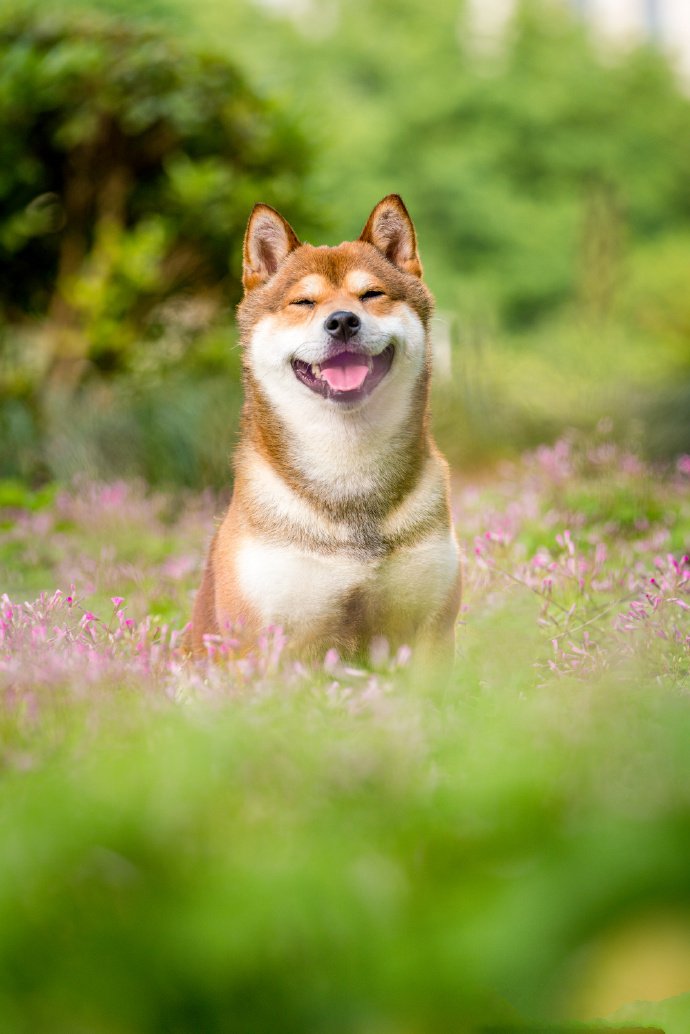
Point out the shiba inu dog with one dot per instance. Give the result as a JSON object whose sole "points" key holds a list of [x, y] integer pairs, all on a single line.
{"points": [[339, 529]]}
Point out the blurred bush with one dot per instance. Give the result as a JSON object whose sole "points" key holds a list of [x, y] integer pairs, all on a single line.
{"points": [[533, 164], [548, 185], [128, 163], [548, 182]]}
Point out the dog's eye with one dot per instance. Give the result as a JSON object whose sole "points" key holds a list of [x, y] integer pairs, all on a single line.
{"points": [[303, 301], [370, 294]]}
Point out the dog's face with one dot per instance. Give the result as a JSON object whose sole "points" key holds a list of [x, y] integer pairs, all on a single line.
{"points": [[338, 330]]}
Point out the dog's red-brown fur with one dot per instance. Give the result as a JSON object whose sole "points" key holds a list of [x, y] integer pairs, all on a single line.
{"points": [[349, 540]]}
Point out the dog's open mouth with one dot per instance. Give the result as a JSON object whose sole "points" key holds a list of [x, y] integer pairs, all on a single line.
{"points": [[347, 376]]}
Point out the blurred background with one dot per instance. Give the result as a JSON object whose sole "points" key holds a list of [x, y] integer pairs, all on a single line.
{"points": [[543, 149], [353, 851]]}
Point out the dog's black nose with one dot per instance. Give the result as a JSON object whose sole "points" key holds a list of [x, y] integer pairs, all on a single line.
{"points": [[343, 325]]}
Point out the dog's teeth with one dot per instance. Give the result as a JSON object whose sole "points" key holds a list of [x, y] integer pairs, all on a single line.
{"points": [[316, 369]]}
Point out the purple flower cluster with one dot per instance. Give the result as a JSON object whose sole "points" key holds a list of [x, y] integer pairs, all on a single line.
{"points": [[586, 529], [580, 537]]}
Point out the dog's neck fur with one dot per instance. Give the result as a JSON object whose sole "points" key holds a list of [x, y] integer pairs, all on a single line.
{"points": [[346, 462]]}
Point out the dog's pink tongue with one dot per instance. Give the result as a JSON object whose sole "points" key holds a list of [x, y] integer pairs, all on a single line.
{"points": [[345, 372]]}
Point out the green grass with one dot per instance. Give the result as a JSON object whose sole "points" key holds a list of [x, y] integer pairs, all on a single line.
{"points": [[258, 847]]}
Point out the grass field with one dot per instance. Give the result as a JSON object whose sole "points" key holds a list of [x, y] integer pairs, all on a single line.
{"points": [[247, 845]]}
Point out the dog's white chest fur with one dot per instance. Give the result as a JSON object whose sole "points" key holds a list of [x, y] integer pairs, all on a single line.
{"points": [[299, 590]]}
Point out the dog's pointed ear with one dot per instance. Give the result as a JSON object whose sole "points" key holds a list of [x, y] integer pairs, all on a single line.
{"points": [[390, 229], [267, 243]]}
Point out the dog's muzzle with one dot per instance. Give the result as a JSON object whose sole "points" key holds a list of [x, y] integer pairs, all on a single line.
{"points": [[346, 376]]}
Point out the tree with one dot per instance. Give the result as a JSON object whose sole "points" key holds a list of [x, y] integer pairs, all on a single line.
{"points": [[529, 171], [128, 165]]}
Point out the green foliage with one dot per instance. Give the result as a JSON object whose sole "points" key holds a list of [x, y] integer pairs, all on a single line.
{"points": [[128, 164], [17, 495], [549, 188], [192, 848], [531, 170], [171, 420], [656, 295], [211, 873]]}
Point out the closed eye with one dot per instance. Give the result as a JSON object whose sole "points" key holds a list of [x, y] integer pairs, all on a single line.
{"points": [[303, 301], [370, 294]]}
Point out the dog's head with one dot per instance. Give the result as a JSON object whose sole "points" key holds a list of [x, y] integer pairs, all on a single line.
{"points": [[340, 329]]}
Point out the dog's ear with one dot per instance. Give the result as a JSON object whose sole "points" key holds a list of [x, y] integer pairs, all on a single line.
{"points": [[267, 243], [390, 229]]}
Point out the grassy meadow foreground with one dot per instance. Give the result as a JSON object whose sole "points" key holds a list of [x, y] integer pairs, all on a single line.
{"points": [[248, 845]]}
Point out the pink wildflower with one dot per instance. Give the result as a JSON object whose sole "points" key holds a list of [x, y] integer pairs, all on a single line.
{"points": [[331, 660]]}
